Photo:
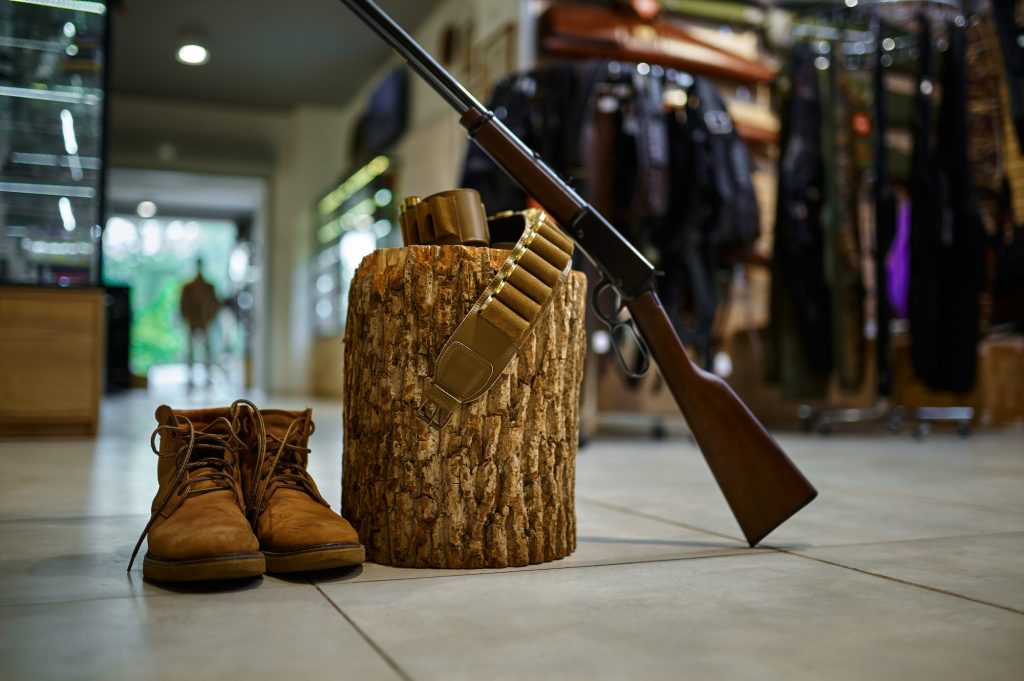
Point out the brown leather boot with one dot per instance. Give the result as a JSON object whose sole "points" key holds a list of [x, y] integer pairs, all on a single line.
{"points": [[297, 529], [198, 530]]}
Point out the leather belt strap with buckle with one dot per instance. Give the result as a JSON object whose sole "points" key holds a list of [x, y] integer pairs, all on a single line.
{"points": [[503, 316]]}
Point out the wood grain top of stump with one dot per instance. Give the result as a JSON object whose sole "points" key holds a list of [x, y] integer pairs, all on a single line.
{"points": [[494, 488]]}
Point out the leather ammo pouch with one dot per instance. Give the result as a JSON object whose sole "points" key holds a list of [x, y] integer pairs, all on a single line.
{"points": [[505, 313]]}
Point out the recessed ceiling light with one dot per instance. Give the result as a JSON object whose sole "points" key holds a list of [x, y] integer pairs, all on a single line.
{"points": [[193, 54], [146, 209]]}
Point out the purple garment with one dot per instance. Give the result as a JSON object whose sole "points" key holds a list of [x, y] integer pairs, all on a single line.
{"points": [[897, 263]]}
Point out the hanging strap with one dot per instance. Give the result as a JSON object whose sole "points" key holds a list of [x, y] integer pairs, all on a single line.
{"points": [[502, 317]]}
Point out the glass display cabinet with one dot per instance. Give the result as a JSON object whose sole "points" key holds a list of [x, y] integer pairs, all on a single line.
{"points": [[52, 318], [52, 74]]}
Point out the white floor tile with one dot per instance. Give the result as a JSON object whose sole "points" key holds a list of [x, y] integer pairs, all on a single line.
{"points": [[660, 586], [769, 616], [272, 634], [988, 568], [69, 559], [604, 537], [671, 481]]}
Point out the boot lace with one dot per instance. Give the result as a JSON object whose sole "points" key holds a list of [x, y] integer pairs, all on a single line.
{"points": [[280, 460], [205, 457]]}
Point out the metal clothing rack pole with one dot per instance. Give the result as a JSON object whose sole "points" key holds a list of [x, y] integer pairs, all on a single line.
{"points": [[797, 5], [883, 411]]}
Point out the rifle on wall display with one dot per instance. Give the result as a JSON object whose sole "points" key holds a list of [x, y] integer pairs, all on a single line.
{"points": [[760, 483]]}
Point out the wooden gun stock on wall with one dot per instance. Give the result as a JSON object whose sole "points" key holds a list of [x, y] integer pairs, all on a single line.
{"points": [[760, 483]]}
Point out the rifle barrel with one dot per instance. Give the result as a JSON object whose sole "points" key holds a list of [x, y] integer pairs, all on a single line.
{"points": [[418, 59], [593, 234]]}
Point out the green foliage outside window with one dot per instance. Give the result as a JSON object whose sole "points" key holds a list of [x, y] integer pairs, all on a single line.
{"points": [[155, 258]]}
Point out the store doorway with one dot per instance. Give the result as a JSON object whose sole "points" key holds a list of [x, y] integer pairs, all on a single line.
{"points": [[168, 230]]}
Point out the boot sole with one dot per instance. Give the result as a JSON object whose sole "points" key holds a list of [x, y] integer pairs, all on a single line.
{"points": [[323, 557], [231, 566]]}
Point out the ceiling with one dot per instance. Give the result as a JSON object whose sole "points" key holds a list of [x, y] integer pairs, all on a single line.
{"points": [[263, 53]]}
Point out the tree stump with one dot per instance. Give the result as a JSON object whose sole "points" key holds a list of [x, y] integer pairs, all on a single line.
{"points": [[495, 487]]}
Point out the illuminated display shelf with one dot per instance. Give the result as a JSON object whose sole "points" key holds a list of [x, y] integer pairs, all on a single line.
{"points": [[355, 217], [51, 141]]}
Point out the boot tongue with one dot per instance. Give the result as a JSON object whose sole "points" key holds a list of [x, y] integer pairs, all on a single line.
{"points": [[209, 448], [295, 426], [277, 424]]}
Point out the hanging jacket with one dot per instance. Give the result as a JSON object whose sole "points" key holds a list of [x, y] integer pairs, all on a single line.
{"points": [[713, 216], [885, 220], [800, 330], [947, 237], [897, 263], [1004, 13], [839, 219], [681, 188]]}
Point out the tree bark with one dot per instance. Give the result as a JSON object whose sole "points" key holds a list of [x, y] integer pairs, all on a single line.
{"points": [[495, 487]]}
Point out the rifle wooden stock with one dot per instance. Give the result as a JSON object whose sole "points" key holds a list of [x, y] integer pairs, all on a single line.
{"points": [[761, 484]]}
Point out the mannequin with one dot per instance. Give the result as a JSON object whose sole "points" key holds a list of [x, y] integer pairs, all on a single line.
{"points": [[199, 307]]}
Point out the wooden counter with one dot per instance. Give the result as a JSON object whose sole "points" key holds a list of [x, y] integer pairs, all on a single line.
{"points": [[51, 360]]}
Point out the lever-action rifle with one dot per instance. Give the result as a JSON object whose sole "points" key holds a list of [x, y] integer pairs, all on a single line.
{"points": [[761, 484]]}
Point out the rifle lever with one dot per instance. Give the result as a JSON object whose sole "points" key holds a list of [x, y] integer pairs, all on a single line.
{"points": [[619, 328]]}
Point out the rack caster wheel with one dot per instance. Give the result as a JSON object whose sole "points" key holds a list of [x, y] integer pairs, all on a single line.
{"points": [[963, 428], [824, 429], [895, 424], [921, 431], [806, 416], [658, 431]]}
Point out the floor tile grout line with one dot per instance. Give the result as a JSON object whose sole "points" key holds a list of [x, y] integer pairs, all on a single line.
{"points": [[165, 594], [873, 492], [668, 521], [70, 518], [73, 601], [905, 582], [507, 571], [124, 597], [316, 585], [796, 553], [767, 545], [944, 537], [390, 661]]}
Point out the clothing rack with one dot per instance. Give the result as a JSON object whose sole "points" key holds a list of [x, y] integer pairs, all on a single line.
{"points": [[803, 5], [883, 411], [668, 61], [955, 10]]}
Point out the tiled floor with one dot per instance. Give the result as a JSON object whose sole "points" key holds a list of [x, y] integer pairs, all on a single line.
{"points": [[910, 565]]}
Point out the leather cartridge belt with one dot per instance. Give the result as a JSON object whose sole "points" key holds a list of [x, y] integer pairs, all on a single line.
{"points": [[456, 217], [504, 314]]}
